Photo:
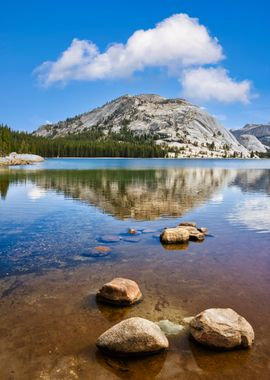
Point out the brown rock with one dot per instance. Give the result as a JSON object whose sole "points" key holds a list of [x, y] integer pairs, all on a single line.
{"points": [[194, 234], [133, 336], [132, 231], [99, 251], [187, 224], [174, 235], [120, 291], [221, 328], [204, 230]]}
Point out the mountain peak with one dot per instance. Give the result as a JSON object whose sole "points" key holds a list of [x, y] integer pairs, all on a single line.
{"points": [[185, 129]]}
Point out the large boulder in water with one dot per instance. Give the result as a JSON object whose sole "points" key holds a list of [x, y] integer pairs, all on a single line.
{"points": [[120, 291], [174, 235], [221, 328], [133, 336]]}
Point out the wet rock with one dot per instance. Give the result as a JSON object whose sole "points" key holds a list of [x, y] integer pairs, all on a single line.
{"points": [[131, 239], [170, 328], [221, 328], [110, 239], [133, 336], [204, 230], [120, 291], [194, 234], [132, 231], [186, 321], [99, 251], [174, 235], [188, 224]]}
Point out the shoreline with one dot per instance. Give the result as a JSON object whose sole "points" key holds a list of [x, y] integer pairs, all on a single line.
{"points": [[14, 159]]}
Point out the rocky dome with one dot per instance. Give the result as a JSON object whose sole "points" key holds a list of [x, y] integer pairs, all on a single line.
{"points": [[175, 123]]}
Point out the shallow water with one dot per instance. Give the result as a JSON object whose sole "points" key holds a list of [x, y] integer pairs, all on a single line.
{"points": [[53, 213]]}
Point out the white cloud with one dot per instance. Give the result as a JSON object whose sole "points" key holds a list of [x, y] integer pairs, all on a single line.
{"points": [[177, 42], [214, 84]]}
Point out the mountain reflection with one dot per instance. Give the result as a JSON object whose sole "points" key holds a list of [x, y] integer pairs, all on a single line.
{"points": [[142, 194], [253, 180], [4, 185]]}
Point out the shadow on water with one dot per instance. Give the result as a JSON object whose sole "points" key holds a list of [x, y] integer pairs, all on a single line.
{"points": [[127, 368]]}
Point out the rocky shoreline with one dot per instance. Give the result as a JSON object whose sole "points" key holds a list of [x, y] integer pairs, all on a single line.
{"points": [[216, 328], [20, 159]]}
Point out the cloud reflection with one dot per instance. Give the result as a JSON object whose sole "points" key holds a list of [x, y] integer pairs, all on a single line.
{"points": [[253, 213], [36, 193]]}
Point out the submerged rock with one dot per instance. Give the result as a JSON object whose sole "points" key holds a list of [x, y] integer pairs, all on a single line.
{"points": [[120, 291], [99, 251], [222, 328], [174, 235], [133, 336], [131, 239], [110, 239], [170, 328]]}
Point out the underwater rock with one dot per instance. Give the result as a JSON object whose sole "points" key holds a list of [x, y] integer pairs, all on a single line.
{"points": [[170, 328], [222, 328], [110, 239], [99, 251], [131, 239], [120, 291], [133, 336]]}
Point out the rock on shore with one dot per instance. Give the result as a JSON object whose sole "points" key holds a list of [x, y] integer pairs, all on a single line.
{"points": [[133, 336], [222, 328], [20, 159]]}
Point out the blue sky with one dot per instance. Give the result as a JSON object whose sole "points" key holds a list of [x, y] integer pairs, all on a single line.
{"points": [[166, 53]]}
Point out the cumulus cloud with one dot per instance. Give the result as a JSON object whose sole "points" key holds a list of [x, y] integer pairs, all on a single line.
{"points": [[214, 83], [178, 41], [179, 44]]}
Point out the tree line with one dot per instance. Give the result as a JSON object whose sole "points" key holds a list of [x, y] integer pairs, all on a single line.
{"points": [[86, 144]]}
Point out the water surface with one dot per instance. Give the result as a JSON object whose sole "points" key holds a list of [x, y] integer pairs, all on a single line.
{"points": [[53, 213]]}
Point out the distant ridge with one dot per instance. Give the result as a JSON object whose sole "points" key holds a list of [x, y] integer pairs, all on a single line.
{"points": [[255, 137]]}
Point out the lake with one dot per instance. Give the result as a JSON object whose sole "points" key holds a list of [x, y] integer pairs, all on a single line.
{"points": [[53, 214]]}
